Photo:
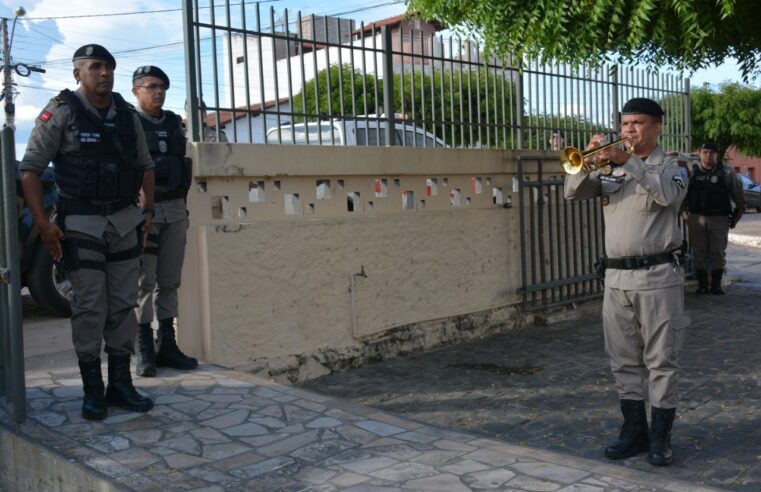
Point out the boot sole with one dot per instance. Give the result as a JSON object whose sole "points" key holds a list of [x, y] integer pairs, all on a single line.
{"points": [[130, 408], [90, 416], [665, 462], [147, 373], [176, 366], [613, 456]]}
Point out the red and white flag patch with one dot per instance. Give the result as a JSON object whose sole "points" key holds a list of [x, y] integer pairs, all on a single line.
{"points": [[45, 116]]}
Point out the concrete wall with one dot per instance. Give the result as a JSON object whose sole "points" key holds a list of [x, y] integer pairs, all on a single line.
{"points": [[281, 235]]}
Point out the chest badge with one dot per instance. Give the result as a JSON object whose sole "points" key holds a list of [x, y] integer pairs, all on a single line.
{"points": [[618, 172], [605, 170], [163, 146], [714, 179], [605, 200]]}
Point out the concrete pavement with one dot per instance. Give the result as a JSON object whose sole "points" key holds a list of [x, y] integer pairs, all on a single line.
{"points": [[528, 410]]}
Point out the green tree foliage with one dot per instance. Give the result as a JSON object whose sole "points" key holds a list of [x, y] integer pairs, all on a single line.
{"points": [[360, 94], [685, 34], [729, 116], [464, 108]]}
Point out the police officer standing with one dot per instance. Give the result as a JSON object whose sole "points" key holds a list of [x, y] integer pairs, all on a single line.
{"points": [[643, 318], [713, 189], [96, 143], [161, 266]]}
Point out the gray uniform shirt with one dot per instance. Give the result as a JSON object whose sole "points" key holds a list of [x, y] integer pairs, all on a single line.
{"points": [[54, 131], [641, 201], [169, 210]]}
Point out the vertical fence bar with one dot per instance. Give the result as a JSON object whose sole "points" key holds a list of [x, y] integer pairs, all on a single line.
{"points": [[388, 85], [230, 73], [249, 114], [191, 87], [13, 397]]}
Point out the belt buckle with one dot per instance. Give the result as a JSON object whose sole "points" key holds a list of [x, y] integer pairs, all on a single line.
{"points": [[630, 263]]}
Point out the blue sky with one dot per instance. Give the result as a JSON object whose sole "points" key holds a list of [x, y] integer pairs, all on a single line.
{"points": [[48, 35]]}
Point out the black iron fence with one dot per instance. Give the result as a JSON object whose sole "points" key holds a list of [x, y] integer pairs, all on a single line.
{"points": [[268, 77]]}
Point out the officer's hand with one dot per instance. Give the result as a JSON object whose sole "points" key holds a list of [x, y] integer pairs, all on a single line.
{"points": [[732, 221], [51, 237], [685, 216]]}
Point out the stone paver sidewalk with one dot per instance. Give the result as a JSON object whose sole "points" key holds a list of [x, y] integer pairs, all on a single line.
{"points": [[215, 430]]}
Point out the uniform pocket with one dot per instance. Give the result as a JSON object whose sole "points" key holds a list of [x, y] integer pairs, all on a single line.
{"points": [[646, 204]]}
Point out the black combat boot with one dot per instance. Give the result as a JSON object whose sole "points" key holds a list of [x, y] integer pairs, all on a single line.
{"points": [[633, 437], [169, 354], [120, 391], [660, 436], [702, 276], [146, 357], [93, 404], [716, 282]]}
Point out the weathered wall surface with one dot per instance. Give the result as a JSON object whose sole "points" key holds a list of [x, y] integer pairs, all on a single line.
{"points": [[294, 272]]}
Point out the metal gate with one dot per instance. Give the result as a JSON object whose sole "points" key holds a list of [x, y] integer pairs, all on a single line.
{"points": [[12, 389], [560, 239]]}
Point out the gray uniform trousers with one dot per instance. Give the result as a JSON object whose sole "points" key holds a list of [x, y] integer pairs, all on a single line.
{"points": [[644, 331], [709, 235], [104, 277], [161, 271]]}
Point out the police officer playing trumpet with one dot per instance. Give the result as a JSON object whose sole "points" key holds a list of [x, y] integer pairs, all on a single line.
{"points": [[96, 143], [643, 318]]}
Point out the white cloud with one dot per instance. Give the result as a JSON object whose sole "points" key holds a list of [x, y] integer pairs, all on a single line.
{"points": [[26, 113]]}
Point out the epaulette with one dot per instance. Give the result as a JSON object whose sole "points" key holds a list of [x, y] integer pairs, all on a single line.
{"points": [[673, 154], [58, 100]]}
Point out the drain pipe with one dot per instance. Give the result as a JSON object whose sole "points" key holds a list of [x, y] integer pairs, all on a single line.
{"points": [[352, 287]]}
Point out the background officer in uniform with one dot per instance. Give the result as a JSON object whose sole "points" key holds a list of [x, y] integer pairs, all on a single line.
{"points": [[643, 319], [161, 265], [712, 190], [96, 143]]}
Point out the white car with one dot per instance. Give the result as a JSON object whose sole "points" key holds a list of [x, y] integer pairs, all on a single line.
{"points": [[351, 132]]}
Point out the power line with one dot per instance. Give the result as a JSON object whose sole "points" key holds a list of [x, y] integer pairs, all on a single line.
{"points": [[117, 14]]}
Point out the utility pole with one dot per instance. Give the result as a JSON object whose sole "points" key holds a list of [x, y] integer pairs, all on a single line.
{"points": [[10, 110]]}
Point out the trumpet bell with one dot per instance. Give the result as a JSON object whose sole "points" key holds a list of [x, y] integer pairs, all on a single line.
{"points": [[572, 160]]}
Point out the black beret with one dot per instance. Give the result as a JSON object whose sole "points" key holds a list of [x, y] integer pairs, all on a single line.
{"points": [[710, 146], [95, 51], [150, 71], [642, 105]]}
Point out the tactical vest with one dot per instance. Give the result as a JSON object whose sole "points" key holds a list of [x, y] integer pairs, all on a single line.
{"points": [[166, 144], [708, 193], [105, 167]]}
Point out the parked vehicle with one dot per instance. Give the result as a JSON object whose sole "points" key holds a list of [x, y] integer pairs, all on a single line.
{"points": [[752, 192], [368, 132], [48, 285]]}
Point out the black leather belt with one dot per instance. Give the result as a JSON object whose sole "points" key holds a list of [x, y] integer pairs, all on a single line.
{"points": [[80, 206], [163, 196], [636, 262]]}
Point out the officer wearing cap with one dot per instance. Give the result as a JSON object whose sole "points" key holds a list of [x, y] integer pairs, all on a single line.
{"points": [[714, 204], [161, 265], [96, 144], [643, 306]]}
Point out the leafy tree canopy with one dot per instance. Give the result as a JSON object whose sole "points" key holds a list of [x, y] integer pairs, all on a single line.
{"points": [[729, 116], [684, 34]]}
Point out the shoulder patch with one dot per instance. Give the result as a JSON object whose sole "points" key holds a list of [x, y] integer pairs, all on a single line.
{"points": [[678, 179], [45, 116]]}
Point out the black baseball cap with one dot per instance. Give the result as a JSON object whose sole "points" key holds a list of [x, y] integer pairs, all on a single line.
{"points": [[150, 71], [94, 51]]}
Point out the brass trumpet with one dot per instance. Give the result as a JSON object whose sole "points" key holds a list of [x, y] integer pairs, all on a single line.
{"points": [[573, 160]]}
